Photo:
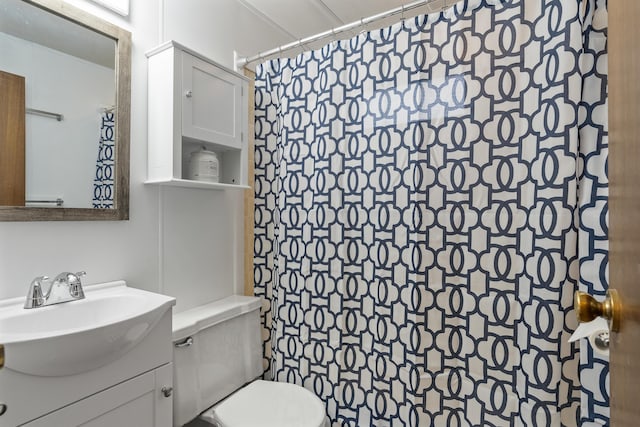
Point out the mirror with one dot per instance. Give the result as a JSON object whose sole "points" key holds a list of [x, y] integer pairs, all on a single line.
{"points": [[64, 114]]}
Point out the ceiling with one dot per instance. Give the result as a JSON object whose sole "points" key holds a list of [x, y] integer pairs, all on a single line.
{"points": [[291, 17]]}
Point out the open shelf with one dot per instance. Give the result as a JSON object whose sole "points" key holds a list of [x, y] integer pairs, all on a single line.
{"points": [[186, 183]]}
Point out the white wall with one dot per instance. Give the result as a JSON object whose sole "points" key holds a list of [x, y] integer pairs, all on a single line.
{"points": [[61, 155], [186, 243]]}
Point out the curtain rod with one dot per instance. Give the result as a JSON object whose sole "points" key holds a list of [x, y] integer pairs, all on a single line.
{"points": [[344, 28]]}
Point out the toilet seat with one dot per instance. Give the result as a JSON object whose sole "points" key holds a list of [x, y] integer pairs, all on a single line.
{"points": [[268, 404]]}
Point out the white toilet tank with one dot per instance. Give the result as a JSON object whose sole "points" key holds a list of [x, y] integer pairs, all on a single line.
{"points": [[217, 349]]}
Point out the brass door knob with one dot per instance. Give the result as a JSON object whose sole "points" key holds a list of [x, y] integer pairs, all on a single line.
{"points": [[588, 308]]}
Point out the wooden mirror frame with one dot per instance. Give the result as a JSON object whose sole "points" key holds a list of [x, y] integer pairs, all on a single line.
{"points": [[122, 39]]}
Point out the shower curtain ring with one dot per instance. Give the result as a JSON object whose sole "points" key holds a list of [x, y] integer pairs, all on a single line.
{"points": [[334, 36]]}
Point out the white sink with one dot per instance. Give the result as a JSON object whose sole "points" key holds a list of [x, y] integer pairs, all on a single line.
{"points": [[78, 336]]}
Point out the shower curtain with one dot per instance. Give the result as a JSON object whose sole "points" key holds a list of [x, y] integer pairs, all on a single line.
{"points": [[103, 181], [593, 243], [419, 200]]}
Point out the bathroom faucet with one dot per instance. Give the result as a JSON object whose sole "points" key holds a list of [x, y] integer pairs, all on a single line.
{"points": [[65, 287]]}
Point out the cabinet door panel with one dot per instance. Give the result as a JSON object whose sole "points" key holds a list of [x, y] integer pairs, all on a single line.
{"points": [[211, 103], [137, 402], [138, 412]]}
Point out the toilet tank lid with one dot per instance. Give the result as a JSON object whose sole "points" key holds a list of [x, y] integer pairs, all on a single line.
{"points": [[194, 320]]}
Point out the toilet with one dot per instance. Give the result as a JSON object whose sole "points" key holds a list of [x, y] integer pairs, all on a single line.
{"points": [[217, 351]]}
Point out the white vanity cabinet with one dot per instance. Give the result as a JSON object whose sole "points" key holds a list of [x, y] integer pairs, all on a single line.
{"points": [[195, 103], [133, 387], [143, 401]]}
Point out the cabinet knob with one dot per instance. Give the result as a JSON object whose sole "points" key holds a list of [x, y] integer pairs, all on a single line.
{"points": [[167, 391], [188, 94], [3, 408]]}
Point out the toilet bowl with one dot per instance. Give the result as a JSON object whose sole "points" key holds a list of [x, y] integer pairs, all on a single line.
{"points": [[217, 363], [272, 404]]}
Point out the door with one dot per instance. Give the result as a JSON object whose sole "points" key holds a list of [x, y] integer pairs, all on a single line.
{"points": [[12, 140], [624, 206]]}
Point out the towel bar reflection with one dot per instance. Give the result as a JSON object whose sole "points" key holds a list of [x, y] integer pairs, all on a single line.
{"points": [[58, 117], [57, 202]]}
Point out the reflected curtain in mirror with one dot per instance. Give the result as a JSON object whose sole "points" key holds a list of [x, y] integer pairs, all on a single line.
{"points": [[103, 182]]}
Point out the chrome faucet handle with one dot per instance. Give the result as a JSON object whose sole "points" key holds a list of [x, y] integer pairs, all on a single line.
{"points": [[35, 298], [75, 284]]}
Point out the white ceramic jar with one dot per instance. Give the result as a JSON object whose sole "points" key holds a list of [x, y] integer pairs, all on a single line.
{"points": [[204, 166]]}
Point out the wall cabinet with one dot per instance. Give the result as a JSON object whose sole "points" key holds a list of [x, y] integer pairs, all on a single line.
{"points": [[195, 103]]}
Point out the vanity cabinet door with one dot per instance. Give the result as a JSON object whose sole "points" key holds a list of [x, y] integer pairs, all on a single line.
{"points": [[211, 103], [138, 402]]}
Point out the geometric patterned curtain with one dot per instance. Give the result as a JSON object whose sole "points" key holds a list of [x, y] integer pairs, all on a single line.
{"points": [[593, 201], [103, 181], [417, 217]]}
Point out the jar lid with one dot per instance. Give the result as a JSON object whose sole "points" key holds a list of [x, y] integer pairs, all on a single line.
{"points": [[204, 150]]}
